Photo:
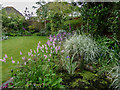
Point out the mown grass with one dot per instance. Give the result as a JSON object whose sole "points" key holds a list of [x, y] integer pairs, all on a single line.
{"points": [[13, 46]]}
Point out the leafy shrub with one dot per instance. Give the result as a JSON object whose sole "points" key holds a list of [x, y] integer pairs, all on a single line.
{"points": [[108, 53], [31, 28], [68, 64], [37, 70], [115, 73], [83, 47], [38, 74]]}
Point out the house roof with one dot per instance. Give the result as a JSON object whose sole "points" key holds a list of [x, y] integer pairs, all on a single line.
{"points": [[9, 9]]}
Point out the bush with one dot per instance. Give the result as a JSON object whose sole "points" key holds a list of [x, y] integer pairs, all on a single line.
{"points": [[108, 53], [115, 73], [36, 74], [83, 47]]}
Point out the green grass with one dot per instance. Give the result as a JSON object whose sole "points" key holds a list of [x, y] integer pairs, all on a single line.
{"points": [[13, 46]]}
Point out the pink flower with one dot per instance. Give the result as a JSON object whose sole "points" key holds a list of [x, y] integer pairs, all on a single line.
{"points": [[11, 58], [34, 51], [4, 59], [53, 45], [23, 58], [42, 46], [59, 48], [46, 51], [13, 61], [37, 50], [48, 42], [29, 59], [62, 51], [50, 55], [31, 50], [6, 56], [46, 48], [20, 53], [51, 48], [29, 53], [45, 56], [25, 63], [39, 42], [48, 59], [50, 38], [55, 39]]}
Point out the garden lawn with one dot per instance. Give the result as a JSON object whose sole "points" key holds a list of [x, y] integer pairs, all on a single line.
{"points": [[13, 46]]}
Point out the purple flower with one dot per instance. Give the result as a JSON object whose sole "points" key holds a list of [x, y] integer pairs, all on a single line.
{"points": [[6, 56], [51, 48], [24, 63], [55, 39], [37, 50], [50, 38], [54, 36], [45, 56], [23, 28], [29, 53], [48, 42], [4, 59], [34, 51], [1, 60], [48, 59], [18, 62], [11, 58], [64, 33], [42, 46], [53, 45], [59, 48], [46, 51], [46, 48], [39, 42], [50, 55], [23, 58], [62, 51], [20, 53], [31, 50], [13, 61], [29, 59], [67, 57]]}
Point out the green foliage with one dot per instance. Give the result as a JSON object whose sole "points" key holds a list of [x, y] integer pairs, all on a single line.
{"points": [[108, 53], [100, 18], [36, 73], [68, 64], [84, 47], [31, 28], [115, 73], [12, 21]]}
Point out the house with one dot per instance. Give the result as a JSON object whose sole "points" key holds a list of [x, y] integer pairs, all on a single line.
{"points": [[10, 10]]}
